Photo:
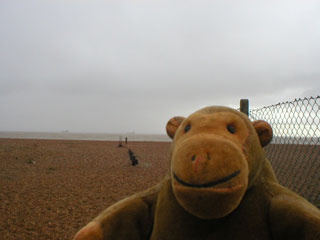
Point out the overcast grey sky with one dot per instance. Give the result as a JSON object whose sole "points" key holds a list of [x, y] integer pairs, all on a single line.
{"points": [[121, 66]]}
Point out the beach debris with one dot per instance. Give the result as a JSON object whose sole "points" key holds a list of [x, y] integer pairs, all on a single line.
{"points": [[30, 161], [134, 160]]}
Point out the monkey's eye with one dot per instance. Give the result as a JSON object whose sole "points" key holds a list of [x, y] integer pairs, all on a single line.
{"points": [[231, 128], [187, 128]]}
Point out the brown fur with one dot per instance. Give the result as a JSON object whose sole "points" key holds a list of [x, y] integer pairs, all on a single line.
{"points": [[220, 186]]}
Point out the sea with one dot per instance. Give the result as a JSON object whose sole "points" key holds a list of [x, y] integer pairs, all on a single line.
{"points": [[65, 135]]}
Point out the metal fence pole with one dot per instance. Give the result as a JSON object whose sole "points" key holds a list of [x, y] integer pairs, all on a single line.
{"points": [[244, 106]]}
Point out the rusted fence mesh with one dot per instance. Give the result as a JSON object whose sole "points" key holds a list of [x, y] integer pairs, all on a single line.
{"points": [[295, 149]]}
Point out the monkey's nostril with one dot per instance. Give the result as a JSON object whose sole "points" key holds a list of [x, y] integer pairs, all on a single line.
{"points": [[208, 156], [193, 157]]}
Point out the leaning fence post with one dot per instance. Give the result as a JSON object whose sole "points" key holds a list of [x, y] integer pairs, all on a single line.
{"points": [[244, 106]]}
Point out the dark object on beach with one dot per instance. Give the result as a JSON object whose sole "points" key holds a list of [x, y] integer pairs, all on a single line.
{"points": [[133, 159], [120, 142], [126, 140]]}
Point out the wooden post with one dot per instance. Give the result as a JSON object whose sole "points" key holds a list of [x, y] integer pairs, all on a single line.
{"points": [[120, 142], [244, 106]]}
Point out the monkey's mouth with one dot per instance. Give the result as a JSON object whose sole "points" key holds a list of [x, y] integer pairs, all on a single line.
{"points": [[208, 184]]}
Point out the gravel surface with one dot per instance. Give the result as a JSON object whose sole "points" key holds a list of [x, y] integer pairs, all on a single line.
{"points": [[49, 189]]}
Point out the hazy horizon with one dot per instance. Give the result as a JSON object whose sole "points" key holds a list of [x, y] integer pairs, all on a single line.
{"points": [[85, 136]]}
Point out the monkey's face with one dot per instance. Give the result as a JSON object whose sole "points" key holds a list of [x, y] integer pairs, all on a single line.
{"points": [[209, 164]]}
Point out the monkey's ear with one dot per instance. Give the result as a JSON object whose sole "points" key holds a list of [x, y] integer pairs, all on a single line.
{"points": [[264, 131], [173, 125]]}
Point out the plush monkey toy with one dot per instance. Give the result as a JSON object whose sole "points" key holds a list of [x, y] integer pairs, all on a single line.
{"points": [[220, 186]]}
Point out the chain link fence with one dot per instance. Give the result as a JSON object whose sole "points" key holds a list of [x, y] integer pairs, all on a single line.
{"points": [[295, 149]]}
